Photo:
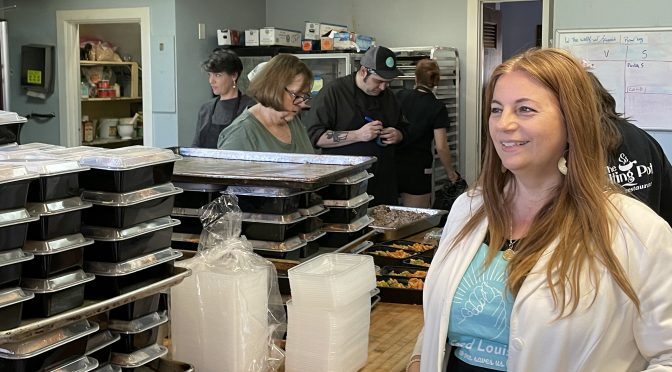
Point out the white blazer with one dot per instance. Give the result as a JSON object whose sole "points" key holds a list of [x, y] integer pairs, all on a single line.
{"points": [[608, 336]]}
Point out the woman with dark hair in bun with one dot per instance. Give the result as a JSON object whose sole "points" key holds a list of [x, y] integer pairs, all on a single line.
{"points": [[223, 68]]}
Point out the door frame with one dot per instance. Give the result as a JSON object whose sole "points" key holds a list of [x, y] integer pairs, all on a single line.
{"points": [[67, 30], [474, 77]]}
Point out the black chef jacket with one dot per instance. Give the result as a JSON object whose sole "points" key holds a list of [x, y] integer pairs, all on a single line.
{"points": [[342, 106]]}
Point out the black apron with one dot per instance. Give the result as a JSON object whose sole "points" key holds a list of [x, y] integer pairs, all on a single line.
{"points": [[210, 133]]}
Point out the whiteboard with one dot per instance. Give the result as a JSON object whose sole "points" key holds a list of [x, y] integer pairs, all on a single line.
{"points": [[635, 65]]}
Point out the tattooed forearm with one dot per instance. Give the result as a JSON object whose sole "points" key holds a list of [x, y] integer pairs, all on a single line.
{"points": [[337, 136]]}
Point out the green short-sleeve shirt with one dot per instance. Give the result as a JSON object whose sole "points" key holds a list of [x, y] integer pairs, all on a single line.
{"points": [[246, 133]]}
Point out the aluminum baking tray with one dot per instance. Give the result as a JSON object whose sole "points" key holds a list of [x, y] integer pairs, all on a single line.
{"points": [[90, 308], [300, 171], [431, 219]]}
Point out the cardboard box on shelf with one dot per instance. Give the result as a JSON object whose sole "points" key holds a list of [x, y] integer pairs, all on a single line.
{"points": [[279, 36], [325, 28], [326, 43], [252, 37], [312, 31], [344, 41], [228, 37], [308, 45]]}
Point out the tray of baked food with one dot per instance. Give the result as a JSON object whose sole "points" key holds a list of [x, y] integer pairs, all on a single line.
{"points": [[396, 222]]}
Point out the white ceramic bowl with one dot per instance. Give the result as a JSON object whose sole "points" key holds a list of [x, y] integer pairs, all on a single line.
{"points": [[125, 131]]}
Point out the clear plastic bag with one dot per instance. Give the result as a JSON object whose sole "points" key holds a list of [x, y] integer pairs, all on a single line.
{"points": [[227, 315]]}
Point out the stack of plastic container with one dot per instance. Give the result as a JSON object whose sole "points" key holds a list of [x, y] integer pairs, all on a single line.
{"points": [[329, 314]]}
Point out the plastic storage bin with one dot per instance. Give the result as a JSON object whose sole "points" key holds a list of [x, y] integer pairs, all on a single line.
{"points": [[55, 256], [14, 181], [11, 266], [11, 304], [137, 308], [58, 178], [13, 228], [99, 345], [117, 245], [123, 210], [269, 200], [331, 279], [114, 279], [56, 294], [138, 333], [128, 168], [57, 218], [47, 350]]}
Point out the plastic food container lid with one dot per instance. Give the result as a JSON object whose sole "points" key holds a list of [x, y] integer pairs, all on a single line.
{"points": [[126, 158], [15, 217], [314, 211], [57, 206], [56, 283], [48, 167], [9, 117], [138, 325], [30, 146], [56, 245], [312, 236], [288, 245], [356, 225], [277, 219], [355, 202], [270, 192], [72, 153], [13, 296], [13, 173], [139, 357], [14, 256], [353, 178], [132, 265], [100, 340], [83, 364], [47, 341], [115, 199], [111, 234]]}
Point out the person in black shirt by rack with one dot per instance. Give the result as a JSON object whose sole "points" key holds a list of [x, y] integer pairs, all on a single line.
{"points": [[358, 115], [635, 160], [428, 121]]}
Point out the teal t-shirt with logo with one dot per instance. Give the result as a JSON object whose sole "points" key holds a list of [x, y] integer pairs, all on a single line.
{"points": [[480, 314]]}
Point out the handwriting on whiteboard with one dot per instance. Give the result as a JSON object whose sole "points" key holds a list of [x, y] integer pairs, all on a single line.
{"points": [[625, 39]]}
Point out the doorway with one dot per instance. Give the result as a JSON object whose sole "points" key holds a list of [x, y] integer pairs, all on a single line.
{"points": [[477, 72], [68, 62]]}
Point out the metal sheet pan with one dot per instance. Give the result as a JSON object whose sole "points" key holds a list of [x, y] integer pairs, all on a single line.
{"points": [[89, 308], [302, 171], [432, 219]]}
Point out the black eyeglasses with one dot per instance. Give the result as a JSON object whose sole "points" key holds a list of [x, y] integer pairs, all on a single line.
{"points": [[299, 98]]}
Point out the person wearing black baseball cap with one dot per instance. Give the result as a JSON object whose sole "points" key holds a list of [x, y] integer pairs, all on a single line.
{"points": [[358, 115]]}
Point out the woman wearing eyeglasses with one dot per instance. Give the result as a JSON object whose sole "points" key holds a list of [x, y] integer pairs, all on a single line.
{"points": [[282, 89]]}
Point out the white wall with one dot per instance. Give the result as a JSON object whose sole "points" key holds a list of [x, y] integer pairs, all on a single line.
{"points": [[192, 82], [577, 14]]}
